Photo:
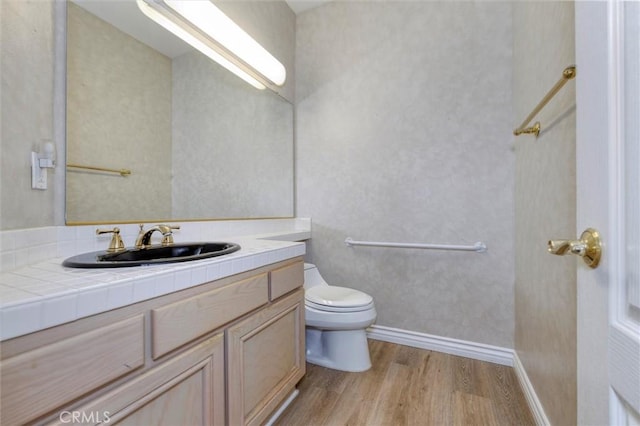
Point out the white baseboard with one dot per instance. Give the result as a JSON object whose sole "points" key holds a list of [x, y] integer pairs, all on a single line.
{"points": [[473, 350], [529, 393]]}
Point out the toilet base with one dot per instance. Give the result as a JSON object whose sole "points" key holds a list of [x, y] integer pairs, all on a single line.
{"points": [[344, 350]]}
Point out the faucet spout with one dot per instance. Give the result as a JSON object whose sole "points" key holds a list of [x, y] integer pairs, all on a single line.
{"points": [[144, 237]]}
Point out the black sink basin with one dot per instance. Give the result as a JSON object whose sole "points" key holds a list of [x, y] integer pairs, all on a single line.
{"points": [[150, 255]]}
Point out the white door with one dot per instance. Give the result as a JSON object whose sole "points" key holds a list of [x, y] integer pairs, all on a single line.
{"points": [[608, 194]]}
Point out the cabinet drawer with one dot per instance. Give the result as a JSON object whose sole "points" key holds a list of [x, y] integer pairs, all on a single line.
{"points": [[178, 323], [62, 371], [286, 279]]}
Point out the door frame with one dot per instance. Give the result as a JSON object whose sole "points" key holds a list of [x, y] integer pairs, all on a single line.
{"points": [[600, 197], [592, 165]]}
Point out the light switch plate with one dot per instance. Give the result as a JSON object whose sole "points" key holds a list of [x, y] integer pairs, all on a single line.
{"points": [[38, 174]]}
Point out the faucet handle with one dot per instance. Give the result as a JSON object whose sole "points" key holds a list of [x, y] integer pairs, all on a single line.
{"points": [[116, 243], [167, 236]]}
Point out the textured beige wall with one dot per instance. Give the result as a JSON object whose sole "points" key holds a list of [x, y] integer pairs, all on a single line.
{"points": [[232, 145], [545, 298], [404, 134], [118, 116], [26, 69]]}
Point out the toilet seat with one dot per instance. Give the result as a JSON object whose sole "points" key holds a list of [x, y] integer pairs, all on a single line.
{"points": [[337, 299], [325, 308]]}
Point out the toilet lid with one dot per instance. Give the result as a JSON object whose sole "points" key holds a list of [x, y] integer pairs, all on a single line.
{"points": [[339, 297]]}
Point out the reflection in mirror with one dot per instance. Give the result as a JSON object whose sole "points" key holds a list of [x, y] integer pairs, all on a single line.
{"points": [[200, 142]]}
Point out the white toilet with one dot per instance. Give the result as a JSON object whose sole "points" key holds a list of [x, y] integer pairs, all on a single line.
{"points": [[336, 319]]}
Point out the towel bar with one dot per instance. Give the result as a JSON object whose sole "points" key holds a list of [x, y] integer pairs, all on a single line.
{"points": [[479, 247]]}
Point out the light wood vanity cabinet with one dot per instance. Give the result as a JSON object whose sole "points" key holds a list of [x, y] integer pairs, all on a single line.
{"points": [[163, 361], [266, 358], [186, 390]]}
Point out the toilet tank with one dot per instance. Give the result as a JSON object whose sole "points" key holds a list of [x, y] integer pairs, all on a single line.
{"points": [[312, 276]]}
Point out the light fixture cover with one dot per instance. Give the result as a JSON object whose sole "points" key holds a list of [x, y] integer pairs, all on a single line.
{"points": [[201, 24]]}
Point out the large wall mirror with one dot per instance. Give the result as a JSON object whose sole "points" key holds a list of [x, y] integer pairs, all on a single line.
{"points": [[200, 143]]}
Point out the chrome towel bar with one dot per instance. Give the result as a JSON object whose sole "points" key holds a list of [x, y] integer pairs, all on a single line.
{"points": [[478, 247]]}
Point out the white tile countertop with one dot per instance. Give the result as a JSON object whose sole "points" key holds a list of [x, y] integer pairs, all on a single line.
{"points": [[44, 294]]}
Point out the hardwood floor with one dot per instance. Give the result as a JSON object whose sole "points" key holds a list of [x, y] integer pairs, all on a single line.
{"points": [[409, 386]]}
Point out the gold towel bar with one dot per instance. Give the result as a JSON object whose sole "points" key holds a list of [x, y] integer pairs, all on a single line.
{"points": [[568, 74], [121, 172]]}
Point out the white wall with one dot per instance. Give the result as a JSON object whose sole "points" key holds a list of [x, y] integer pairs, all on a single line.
{"points": [[404, 128]]}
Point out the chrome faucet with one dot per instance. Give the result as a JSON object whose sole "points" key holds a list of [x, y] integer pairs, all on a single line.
{"points": [[144, 237]]}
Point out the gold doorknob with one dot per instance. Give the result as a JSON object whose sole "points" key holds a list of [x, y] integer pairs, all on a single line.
{"points": [[588, 247]]}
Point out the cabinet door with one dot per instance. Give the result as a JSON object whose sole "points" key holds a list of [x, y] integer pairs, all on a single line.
{"points": [[186, 390], [266, 360]]}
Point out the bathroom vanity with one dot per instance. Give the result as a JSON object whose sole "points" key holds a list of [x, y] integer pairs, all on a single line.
{"points": [[228, 351]]}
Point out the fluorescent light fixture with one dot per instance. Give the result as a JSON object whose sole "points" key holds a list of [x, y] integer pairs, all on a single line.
{"points": [[202, 25]]}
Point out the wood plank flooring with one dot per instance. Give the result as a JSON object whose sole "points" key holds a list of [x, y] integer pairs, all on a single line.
{"points": [[410, 386]]}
